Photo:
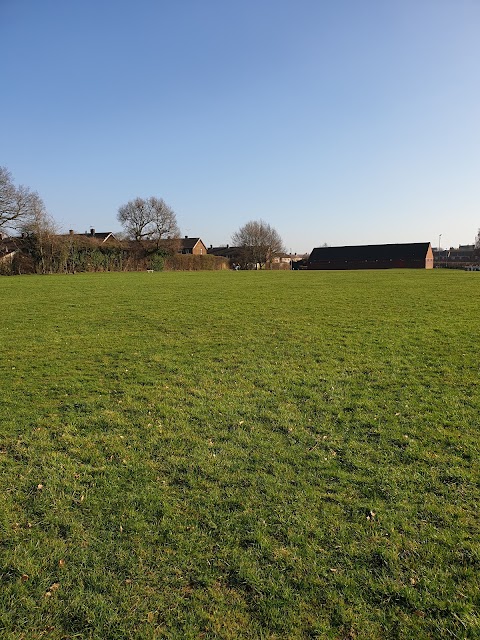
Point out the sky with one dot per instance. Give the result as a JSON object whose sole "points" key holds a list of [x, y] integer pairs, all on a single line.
{"points": [[335, 121]]}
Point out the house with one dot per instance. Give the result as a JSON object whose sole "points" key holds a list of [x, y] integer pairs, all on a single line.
{"points": [[233, 254], [415, 255], [8, 248], [10, 245], [464, 253], [282, 259], [15, 255], [104, 236], [193, 246], [226, 251], [285, 260], [456, 258], [236, 255]]}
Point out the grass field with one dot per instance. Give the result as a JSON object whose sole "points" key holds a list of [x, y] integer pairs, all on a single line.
{"points": [[240, 455]]}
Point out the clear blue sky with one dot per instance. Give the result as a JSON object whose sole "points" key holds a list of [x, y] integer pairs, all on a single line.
{"points": [[339, 121]]}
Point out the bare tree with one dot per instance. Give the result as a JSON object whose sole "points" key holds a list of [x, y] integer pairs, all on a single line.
{"points": [[41, 235], [259, 243], [148, 219], [16, 203]]}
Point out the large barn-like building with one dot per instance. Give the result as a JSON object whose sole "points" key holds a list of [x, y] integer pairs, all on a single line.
{"points": [[416, 255]]}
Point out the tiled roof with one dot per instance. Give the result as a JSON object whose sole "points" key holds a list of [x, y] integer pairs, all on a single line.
{"points": [[226, 252], [188, 243]]}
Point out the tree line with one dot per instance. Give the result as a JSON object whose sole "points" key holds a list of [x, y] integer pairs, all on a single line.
{"points": [[150, 237]]}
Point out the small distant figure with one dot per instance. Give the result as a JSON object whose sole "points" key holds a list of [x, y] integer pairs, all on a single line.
{"points": [[236, 266]]}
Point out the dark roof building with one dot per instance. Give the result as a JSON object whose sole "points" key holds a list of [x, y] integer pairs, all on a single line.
{"points": [[416, 255], [101, 235], [232, 253], [193, 246], [98, 235]]}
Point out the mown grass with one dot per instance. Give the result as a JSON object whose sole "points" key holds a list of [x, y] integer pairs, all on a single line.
{"points": [[240, 455]]}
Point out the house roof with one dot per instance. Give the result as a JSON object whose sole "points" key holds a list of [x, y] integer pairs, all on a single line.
{"points": [[103, 235], [189, 243], [466, 250], [225, 251], [11, 243], [414, 250]]}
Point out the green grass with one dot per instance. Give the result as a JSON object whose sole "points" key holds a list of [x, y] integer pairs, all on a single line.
{"points": [[240, 455]]}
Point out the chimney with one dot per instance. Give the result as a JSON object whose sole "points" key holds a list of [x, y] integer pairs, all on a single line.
{"points": [[92, 232], [70, 231]]}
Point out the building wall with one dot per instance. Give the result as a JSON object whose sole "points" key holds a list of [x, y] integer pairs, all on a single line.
{"points": [[369, 264], [429, 259], [199, 249]]}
